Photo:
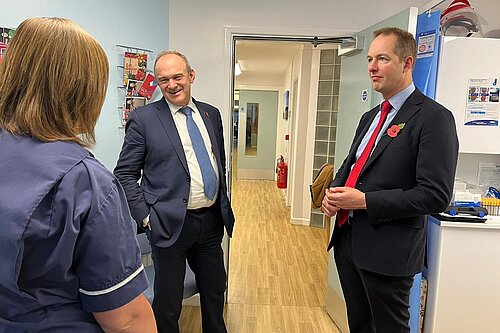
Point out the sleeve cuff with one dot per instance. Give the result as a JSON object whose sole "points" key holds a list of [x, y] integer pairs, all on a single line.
{"points": [[115, 296]]}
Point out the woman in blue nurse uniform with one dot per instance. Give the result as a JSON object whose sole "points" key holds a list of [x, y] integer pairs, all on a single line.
{"points": [[69, 257]]}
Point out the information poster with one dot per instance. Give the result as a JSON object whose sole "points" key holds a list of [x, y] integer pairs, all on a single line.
{"points": [[489, 174], [482, 108], [426, 41]]}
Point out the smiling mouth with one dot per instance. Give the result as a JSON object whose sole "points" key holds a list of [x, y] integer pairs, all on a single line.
{"points": [[175, 92]]}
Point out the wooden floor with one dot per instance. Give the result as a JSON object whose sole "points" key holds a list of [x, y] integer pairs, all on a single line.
{"points": [[277, 271]]}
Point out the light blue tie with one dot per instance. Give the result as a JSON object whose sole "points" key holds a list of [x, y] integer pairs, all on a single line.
{"points": [[200, 150]]}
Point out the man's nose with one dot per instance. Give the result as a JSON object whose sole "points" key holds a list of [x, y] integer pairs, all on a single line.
{"points": [[372, 66], [171, 83]]}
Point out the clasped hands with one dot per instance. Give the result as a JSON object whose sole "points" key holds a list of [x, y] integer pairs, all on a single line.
{"points": [[338, 198]]}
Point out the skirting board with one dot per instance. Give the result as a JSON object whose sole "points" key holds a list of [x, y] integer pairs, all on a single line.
{"points": [[335, 307], [299, 221]]}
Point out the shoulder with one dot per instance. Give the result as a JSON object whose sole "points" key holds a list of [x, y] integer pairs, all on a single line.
{"points": [[418, 98], [432, 110], [436, 110], [369, 115], [97, 171], [90, 180], [92, 169], [211, 111], [206, 107], [147, 109]]}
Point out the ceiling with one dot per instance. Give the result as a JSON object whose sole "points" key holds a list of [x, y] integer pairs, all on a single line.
{"points": [[274, 58]]}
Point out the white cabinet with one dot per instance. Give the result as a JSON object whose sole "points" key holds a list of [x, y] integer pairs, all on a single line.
{"points": [[460, 60], [463, 275]]}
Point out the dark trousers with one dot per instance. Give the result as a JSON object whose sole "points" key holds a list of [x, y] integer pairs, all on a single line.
{"points": [[376, 303], [199, 242]]}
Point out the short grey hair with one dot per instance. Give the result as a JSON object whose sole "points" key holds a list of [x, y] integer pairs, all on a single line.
{"points": [[177, 53]]}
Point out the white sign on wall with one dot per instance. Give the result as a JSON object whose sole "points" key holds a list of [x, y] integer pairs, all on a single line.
{"points": [[482, 108], [364, 95]]}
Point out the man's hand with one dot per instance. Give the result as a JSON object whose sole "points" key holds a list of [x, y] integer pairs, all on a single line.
{"points": [[347, 198], [327, 205]]}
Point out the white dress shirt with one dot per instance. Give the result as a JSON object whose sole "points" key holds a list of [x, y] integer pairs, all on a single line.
{"points": [[197, 198]]}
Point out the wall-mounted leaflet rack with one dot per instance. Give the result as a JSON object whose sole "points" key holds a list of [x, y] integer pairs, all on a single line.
{"points": [[135, 71]]}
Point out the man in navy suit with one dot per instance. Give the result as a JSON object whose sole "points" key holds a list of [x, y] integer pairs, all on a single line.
{"points": [[171, 203], [382, 194]]}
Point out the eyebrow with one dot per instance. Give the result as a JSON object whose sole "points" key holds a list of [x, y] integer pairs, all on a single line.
{"points": [[378, 55], [171, 76]]}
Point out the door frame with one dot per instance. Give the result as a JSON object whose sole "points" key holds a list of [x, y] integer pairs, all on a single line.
{"points": [[234, 33], [231, 34]]}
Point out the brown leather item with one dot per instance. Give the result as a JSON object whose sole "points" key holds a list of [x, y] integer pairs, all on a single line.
{"points": [[320, 184]]}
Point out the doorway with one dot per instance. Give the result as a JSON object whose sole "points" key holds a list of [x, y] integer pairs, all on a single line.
{"points": [[297, 95], [264, 69], [305, 73]]}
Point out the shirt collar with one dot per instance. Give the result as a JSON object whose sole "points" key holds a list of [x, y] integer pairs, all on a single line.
{"points": [[175, 108], [398, 100]]}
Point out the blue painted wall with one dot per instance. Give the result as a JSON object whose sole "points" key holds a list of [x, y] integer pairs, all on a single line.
{"points": [[139, 24]]}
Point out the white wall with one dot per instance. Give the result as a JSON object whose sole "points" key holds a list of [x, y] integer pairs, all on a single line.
{"points": [[203, 32], [198, 30], [112, 22], [253, 80], [301, 141], [270, 83]]}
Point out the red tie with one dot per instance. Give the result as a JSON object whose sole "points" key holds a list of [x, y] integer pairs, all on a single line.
{"points": [[360, 163]]}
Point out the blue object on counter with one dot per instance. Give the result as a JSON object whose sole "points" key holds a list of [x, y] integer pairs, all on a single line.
{"points": [[493, 192]]}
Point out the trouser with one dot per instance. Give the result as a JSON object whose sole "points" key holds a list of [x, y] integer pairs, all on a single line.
{"points": [[376, 303], [200, 243]]}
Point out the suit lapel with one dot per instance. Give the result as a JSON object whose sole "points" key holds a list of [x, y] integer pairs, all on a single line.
{"points": [[165, 115], [410, 107], [205, 115]]}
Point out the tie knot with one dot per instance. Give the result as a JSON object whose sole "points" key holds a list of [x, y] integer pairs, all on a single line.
{"points": [[186, 110], [386, 106]]}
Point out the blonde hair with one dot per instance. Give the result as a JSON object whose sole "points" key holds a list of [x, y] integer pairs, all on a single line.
{"points": [[53, 82]]}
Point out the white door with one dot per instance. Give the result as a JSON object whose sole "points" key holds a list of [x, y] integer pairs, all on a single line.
{"points": [[257, 126]]}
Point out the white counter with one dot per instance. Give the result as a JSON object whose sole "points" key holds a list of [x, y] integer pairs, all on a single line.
{"points": [[463, 275]]}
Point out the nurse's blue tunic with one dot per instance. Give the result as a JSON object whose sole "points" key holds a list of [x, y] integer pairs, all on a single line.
{"points": [[67, 240]]}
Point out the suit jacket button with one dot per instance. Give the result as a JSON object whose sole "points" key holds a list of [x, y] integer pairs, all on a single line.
{"points": [[184, 200], [188, 179]]}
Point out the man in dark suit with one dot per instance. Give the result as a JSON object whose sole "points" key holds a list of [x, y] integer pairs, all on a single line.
{"points": [[398, 170], [177, 143]]}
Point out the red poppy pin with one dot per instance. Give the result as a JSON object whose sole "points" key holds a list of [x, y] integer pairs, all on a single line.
{"points": [[206, 114], [394, 130]]}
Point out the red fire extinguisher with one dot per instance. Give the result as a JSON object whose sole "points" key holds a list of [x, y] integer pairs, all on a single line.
{"points": [[282, 171]]}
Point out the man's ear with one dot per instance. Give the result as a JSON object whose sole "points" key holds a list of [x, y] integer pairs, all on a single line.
{"points": [[192, 75], [409, 61]]}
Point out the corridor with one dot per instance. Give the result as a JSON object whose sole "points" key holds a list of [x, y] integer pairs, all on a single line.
{"points": [[278, 271]]}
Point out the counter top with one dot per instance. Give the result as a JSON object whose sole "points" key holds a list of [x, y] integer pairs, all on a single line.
{"points": [[492, 222]]}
